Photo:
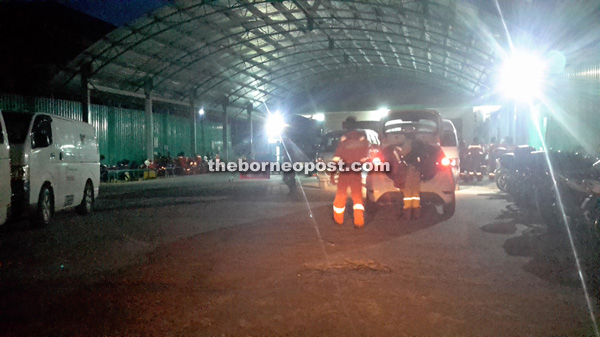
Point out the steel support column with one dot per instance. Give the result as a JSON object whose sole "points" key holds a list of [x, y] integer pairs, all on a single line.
{"points": [[249, 111], [193, 115], [203, 148], [149, 122], [85, 71], [225, 153]]}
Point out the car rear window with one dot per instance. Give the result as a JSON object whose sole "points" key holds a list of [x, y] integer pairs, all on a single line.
{"points": [[448, 139], [399, 125]]}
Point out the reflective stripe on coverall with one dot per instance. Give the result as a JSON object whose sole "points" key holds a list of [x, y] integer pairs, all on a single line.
{"points": [[347, 180], [412, 181], [412, 188]]}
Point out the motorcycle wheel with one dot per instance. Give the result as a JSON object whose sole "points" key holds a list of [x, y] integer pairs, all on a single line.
{"points": [[501, 182]]}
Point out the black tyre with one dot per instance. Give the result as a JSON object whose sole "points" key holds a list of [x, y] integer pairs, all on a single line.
{"points": [[371, 207], [501, 182], [87, 202], [450, 208], [45, 207]]}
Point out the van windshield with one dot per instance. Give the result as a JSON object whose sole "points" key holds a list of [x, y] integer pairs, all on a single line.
{"points": [[17, 125]]}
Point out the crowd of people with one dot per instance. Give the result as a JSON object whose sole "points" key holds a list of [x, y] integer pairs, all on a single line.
{"points": [[161, 165]]}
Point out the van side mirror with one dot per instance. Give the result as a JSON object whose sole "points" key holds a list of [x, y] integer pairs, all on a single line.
{"points": [[40, 140]]}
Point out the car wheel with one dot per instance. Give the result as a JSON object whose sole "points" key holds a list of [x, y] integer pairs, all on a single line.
{"points": [[449, 209], [45, 207], [87, 203]]}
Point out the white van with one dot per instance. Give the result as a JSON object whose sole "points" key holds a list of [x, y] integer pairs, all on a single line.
{"points": [[5, 190], [449, 143], [55, 164]]}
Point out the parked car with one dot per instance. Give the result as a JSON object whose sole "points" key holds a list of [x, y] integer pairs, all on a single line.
{"points": [[449, 143], [55, 164], [438, 186], [329, 143], [5, 191]]}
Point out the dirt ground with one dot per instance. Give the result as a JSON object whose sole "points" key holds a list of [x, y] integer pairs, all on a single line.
{"points": [[302, 275]]}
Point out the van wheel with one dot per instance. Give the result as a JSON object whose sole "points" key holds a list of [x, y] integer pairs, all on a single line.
{"points": [[45, 207], [87, 203]]}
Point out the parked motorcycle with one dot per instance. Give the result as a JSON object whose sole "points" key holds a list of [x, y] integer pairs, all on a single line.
{"points": [[493, 157], [504, 168], [165, 166], [578, 183], [183, 166]]}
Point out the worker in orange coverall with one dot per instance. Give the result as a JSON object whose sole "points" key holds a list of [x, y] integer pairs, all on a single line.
{"points": [[410, 153], [352, 148]]}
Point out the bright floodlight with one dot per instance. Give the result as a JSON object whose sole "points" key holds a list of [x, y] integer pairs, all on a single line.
{"points": [[522, 76], [274, 126], [201, 111], [319, 117], [382, 112]]}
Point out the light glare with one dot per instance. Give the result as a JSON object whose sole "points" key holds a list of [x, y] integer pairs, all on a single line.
{"points": [[274, 126], [319, 117], [382, 112], [522, 77]]}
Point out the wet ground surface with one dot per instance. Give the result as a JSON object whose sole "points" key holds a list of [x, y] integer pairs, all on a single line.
{"points": [[215, 255]]}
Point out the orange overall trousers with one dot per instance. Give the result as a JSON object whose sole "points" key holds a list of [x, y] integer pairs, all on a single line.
{"points": [[350, 180]]}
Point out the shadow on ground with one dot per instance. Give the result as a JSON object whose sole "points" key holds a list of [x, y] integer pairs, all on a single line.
{"points": [[549, 247]]}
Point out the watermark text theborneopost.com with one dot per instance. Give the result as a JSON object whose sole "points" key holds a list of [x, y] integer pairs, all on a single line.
{"points": [[306, 167]]}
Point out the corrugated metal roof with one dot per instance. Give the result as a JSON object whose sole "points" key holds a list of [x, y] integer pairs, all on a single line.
{"points": [[253, 51]]}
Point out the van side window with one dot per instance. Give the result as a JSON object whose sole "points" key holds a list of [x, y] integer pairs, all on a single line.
{"points": [[41, 132]]}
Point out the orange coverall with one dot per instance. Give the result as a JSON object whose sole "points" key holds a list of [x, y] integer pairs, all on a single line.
{"points": [[353, 148], [412, 182]]}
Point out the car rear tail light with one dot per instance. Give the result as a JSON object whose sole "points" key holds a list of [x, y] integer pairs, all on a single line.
{"points": [[376, 156], [445, 162]]}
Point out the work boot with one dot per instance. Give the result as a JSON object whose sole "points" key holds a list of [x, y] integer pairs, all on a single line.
{"points": [[407, 214], [338, 217], [416, 213], [359, 218]]}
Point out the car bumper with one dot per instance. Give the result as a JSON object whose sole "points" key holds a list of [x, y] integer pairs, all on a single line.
{"points": [[437, 191]]}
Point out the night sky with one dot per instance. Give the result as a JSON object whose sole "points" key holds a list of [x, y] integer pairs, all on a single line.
{"points": [[116, 12]]}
